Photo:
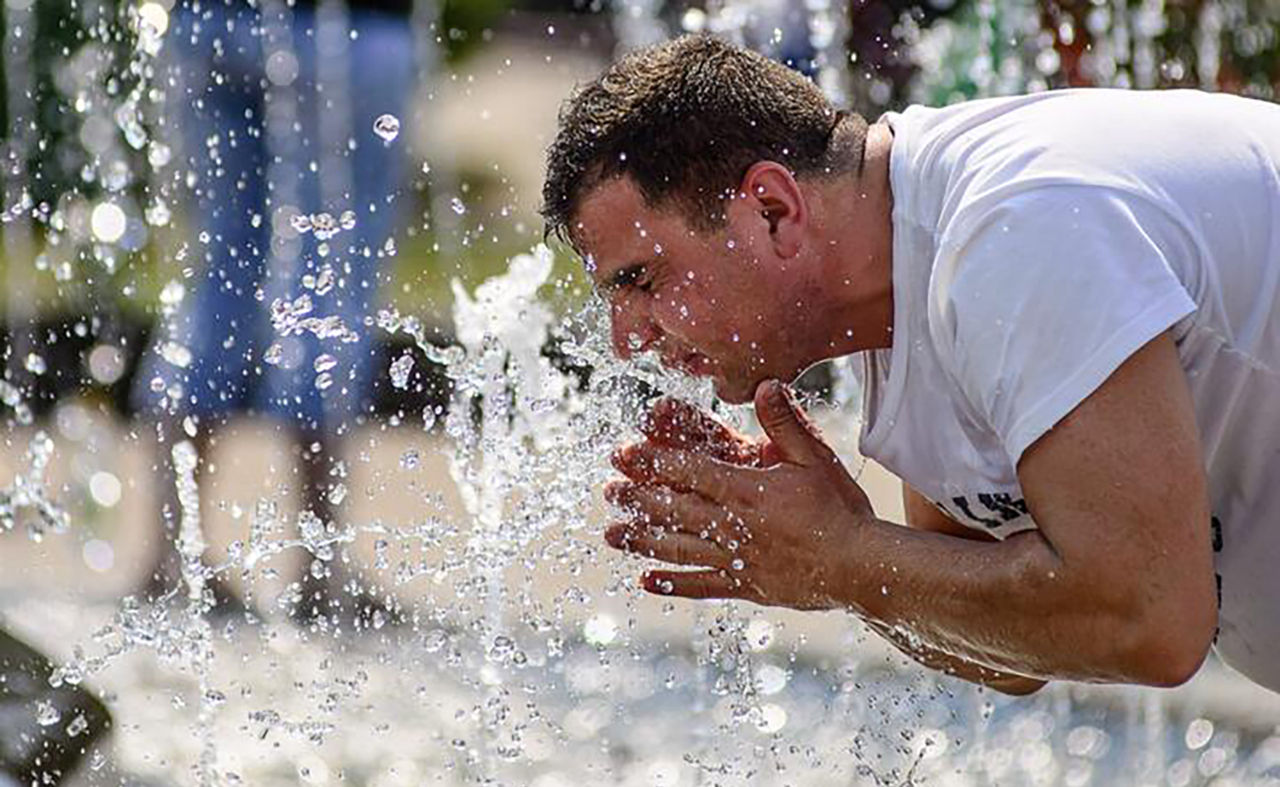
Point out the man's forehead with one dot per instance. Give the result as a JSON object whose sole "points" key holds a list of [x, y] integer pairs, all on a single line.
{"points": [[613, 224]]}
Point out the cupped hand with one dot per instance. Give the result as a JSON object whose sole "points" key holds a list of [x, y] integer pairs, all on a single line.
{"points": [[674, 423], [766, 521]]}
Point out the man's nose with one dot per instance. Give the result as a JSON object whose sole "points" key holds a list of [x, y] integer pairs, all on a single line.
{"points": [[632, 330]]}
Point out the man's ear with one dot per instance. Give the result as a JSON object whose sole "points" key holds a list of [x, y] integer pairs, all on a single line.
{"points": [[771, 191]]}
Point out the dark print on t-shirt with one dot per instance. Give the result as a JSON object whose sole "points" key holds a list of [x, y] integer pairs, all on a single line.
{"points": [[990, 510]]}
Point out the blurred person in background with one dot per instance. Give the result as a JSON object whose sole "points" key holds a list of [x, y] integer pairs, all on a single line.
{"points": [[289, 123]]}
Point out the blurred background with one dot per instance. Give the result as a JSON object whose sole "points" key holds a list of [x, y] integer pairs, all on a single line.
{"points": [[231, 235]]}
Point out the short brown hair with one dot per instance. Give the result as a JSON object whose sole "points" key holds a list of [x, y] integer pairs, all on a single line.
{"points": [[686, 119]]}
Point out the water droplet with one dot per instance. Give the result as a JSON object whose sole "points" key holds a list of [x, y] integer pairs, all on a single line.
{"points": [[274, 354], [1199, 733], [410, 459], [542, 405], [387, 127], [173, 293], [325, 362], [301, 223], [176, 354], [400, 369], [323, 381], [46, 714], [158, 214], [35, 364], [434, 640], [457, 206], [348, 219], [324, 225], [158, 153], [501, 649], [325, 280]]}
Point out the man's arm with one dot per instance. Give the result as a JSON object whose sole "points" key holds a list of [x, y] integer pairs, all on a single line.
{"points": [[923, 515], [1116, 585], [675, 424]]}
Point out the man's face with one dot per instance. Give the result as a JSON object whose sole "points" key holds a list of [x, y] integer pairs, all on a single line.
{"points": [[711, 304]]}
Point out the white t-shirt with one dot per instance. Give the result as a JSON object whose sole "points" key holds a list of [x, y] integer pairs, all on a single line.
{"points": [[1041, 240]]}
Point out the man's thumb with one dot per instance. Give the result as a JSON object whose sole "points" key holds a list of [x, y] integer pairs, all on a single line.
{"points": [[787, 425]]}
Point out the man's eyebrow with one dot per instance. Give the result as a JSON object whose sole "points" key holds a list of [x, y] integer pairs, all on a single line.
{"points": [[624, 276]]}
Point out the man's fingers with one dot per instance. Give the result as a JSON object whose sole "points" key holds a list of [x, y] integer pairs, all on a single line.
{"points": [[677, 424], [673, 423], [682, 511], [712, 583], [668, 546], [791, 433], [688, 471]]}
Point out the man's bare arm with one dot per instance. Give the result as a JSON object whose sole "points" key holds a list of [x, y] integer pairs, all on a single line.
{"points": [[923, 515], [1117, 583]]}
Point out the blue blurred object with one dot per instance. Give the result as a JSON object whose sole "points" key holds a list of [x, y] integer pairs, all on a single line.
{"points": [[224, 321]]}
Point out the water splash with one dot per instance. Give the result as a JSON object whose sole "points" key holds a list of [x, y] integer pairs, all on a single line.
{"points": [[27, 502], [195, 628]]}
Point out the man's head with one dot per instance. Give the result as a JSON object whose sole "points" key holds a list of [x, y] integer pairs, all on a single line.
{"points": [[686, 175]]}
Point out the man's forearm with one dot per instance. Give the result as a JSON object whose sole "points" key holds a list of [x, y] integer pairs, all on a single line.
{"points": [[1012, 604], [1005, 682]]}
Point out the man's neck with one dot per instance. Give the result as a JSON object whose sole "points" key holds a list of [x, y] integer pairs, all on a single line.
{"points": [[861, 259]]}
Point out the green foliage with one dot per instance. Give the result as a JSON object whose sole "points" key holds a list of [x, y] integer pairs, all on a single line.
{"points": [[1011, 46], [465, 25]]}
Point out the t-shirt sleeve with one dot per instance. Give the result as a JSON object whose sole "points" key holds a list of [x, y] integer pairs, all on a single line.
{"points": [[1037, 300]]}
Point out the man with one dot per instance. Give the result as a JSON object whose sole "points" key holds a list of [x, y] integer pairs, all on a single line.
{"points": [[1068, 305]]}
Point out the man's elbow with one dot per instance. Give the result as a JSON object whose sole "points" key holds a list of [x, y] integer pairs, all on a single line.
{"points": [[1016, 686], [1170, 647]]}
